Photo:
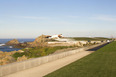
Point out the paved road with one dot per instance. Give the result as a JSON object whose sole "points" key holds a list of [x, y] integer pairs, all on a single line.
{"points": [[96, 48]]}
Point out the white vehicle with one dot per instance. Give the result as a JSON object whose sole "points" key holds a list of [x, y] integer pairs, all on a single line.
{"points": [[108, 41]]}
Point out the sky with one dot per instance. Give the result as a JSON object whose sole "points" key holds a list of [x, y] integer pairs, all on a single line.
{"points": [[72, 18]]}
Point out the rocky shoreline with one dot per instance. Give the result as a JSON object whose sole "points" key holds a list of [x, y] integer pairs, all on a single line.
{"points": [[6, 57], [39, 41]]}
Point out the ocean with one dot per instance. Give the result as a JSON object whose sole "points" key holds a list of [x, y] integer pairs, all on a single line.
{"points": [[10, 48]]}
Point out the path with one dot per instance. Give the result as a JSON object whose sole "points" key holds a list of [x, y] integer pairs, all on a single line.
{"points": [[47, 68]]}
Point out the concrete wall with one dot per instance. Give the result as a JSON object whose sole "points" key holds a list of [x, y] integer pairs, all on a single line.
{"points": [[71, 43], [18, 66]]}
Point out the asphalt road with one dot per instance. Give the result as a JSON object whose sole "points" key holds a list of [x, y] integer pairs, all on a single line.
{"points": [[96, 48]]}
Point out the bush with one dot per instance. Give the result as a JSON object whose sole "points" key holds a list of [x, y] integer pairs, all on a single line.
{"points": [[17, 54], [37, 52]]}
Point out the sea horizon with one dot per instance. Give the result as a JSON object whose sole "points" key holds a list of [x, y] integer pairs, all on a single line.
{"points": [[4, 40], [10, 48]]}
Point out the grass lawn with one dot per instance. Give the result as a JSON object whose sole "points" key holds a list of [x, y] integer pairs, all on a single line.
{"points": [[101, 63], [90, 39]]}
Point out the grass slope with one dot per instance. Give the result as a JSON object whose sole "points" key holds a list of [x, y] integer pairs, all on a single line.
{"points": [[90, 39], [101, 63], [38, 52]]}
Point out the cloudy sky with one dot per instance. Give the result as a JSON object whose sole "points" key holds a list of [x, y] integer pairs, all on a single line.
{"points": [[78, 18]]}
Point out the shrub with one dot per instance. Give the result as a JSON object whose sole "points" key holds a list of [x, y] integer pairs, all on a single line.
{"points": [[37, 52], [17, 54]]}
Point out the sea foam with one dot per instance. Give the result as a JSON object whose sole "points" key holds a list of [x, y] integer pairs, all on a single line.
{"points": [[2, 44]]}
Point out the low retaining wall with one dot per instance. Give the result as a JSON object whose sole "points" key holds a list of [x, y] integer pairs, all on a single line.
{"points": [[18, 66]]}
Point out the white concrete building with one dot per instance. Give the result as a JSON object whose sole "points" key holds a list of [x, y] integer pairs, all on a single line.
{"points": [[56, 36]]}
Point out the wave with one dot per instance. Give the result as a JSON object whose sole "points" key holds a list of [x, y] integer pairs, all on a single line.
{"points": [[2, 44], [22, 42], [10, 47]]}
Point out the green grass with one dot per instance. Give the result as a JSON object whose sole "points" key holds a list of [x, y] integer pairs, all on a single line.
{"points": [[101, 63], [38, 52], [90, 39]]}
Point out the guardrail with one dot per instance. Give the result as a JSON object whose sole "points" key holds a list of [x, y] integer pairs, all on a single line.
{"points": [[18, 66]]}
